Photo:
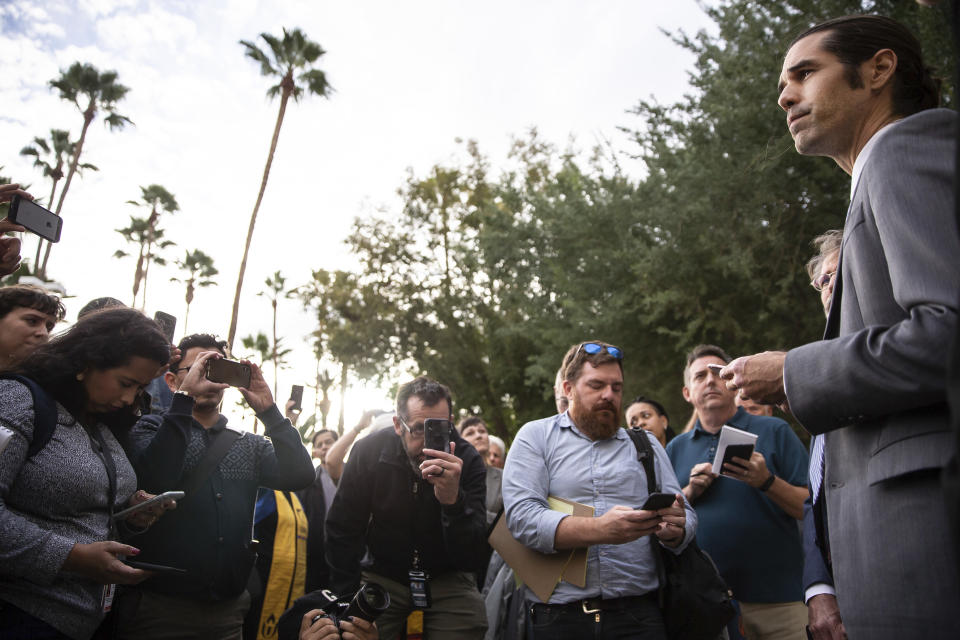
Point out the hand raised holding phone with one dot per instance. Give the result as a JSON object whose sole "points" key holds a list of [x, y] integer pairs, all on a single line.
{"points": [[196, 383]]}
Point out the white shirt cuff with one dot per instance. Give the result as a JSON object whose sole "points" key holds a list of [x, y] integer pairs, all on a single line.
{"points": [[818, 589]]}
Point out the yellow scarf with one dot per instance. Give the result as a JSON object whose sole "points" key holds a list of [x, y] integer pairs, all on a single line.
{"points": [[288, 569]]}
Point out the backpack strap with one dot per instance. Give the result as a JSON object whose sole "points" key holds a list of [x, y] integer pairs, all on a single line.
{"points": [[645, 456], [44, 413], [219, 445]]}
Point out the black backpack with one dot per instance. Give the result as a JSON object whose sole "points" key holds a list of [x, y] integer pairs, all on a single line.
{"points": [[44, 413], [694, 599]]}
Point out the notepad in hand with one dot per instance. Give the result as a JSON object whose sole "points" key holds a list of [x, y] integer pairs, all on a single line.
{"points": [[734, 443]]}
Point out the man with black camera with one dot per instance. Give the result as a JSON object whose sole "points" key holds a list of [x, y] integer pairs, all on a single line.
{"points": [[191, 448], [420, 511]]}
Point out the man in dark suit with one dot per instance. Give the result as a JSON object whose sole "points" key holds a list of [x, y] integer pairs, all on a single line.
{"points": [[855, 89]]}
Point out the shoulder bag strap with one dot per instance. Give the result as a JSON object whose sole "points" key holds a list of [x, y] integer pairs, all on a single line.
{"points": [[645, 456], [103, 451], [218, 447]]}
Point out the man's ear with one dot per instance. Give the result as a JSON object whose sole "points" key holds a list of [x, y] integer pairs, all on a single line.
{"points": [[171, 379], [686, 394], [567, 386], [397, 427], [880, 69]]}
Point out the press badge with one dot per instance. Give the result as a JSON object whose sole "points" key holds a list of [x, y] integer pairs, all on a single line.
{"points": [[106, 600], [419, 589]]}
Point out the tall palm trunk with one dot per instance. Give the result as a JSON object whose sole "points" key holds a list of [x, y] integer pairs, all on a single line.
{"points": [[74, 163], [186, 314], [53, 191], [151, 225], [276, 364], [287, 90], [343, 396]]}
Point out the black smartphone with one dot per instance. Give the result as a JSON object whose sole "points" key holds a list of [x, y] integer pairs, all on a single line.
{"points": [[35, 219], [736, 451], [657, 501], [167, 322], [436, 434], [228, 372], [296, 394], [158, 568]]}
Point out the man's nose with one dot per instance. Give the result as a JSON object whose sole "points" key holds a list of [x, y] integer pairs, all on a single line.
{"points": [[788, 97]]}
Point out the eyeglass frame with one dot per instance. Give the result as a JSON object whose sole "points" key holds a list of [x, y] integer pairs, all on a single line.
{"points": [[420, 432], [816, 284]]}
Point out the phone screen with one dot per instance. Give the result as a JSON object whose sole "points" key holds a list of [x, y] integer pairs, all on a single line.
{"points": [[36, 219]]}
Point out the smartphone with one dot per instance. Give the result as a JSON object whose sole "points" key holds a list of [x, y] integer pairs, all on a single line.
{"points": [[657, 501], [296, 394], [716, 368], [228, 372], [167, 322], [146, 504], [436, 434], [736, 451], [158, 568], [35, 219]]}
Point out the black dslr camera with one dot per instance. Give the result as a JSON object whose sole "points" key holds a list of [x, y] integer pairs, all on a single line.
{"points": [[367, 603]]}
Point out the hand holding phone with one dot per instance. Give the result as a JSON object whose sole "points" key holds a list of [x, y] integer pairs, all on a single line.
{"points": [[231, 372], [35, 219], [296, 394], [147, 504], [436, 434], [657, 501]]}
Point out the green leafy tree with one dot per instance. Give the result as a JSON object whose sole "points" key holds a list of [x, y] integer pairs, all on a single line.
{"points": [[150, 241], [158, 200], [50, 158], [91, 92], [290, 59], [198, 272]]}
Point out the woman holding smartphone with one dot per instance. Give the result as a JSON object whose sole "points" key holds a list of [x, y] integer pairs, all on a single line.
{"points": [[58, 548]]}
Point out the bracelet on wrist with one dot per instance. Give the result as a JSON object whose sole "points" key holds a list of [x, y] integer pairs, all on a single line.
{"points": [[768, 483]]}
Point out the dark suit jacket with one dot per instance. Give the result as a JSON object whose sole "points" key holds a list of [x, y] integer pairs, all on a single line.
{"points": [[876, 385], [815, 567]]}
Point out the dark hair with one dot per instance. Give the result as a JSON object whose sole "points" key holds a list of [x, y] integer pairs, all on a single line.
{"points": [[101, 340], [701, 351], [855, 39], [205, 341], [653, 403], [317, 434], [429, 391], [31, 297], [99, 304], [575, 358], [826, 245], [469, 421]]}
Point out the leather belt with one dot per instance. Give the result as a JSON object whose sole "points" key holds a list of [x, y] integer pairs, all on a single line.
{"points": [[595, 605]]}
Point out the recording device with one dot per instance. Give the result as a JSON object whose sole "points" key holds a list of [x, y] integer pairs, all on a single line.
{"points": [[437, 434], [167, 322], [716, 368], [296, 394], [657, 501], [743, 451], [228, 372], [35, 219], [367, 603], [146, 504]]}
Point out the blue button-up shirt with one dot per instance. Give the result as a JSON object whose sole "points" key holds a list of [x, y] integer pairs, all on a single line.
{"points": [[551, 457]]}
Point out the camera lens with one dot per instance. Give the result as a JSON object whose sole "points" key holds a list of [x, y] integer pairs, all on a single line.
{"points": [[369, 602]]}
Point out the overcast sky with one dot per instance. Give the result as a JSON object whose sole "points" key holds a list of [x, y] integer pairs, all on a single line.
{"points": [[409, 79]]}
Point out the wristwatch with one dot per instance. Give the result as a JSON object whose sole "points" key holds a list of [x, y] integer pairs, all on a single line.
{"points": [[768, 483]]}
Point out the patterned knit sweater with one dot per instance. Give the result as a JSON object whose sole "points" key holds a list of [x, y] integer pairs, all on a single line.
{"points": [[48, 503]]}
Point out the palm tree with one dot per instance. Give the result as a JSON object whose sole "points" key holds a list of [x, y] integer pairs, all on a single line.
{"points": [[58, 151], [102, 92], [140, 232], [275, 288], [288, 56], [199, 269], [158, 200]]}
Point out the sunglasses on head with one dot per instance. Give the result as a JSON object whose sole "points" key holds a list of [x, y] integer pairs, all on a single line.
{"points": [[593, 348]]}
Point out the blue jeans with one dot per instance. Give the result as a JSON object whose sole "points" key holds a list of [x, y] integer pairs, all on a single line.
{"points": [[17, 624], [641, 620]]}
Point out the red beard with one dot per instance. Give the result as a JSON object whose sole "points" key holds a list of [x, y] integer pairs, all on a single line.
{"points": [[598, 422]]}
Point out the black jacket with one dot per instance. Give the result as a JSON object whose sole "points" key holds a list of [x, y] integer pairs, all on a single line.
{"points": [[208, 534], [382, 505]]}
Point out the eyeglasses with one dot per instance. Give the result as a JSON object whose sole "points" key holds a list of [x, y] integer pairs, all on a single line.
{"points": [[417, 429], [823, 280], [182, 369], [593, 348]]}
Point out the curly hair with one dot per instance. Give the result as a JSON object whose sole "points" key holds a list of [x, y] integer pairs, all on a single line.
{"points": [[27, 295], [100, 340]]}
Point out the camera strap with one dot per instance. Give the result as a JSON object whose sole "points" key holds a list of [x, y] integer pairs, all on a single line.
{"points": [[419, 579], [220, 443]]}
